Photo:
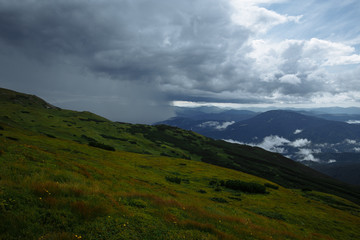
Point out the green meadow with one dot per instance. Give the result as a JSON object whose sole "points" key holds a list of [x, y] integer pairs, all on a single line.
{"points": [[75, 175]]}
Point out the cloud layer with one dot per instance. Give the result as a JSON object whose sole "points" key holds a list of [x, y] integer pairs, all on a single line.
{"points": [[107, 55]]}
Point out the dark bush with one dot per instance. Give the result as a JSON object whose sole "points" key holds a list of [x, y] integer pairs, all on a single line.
{"points": [[89, 139], [91, 120], [49, 135], [235, 198], [249, 187], [12, 138], [201, 191], [217, 183], [165, 154], [269, 185], [185, 181], [306, 190], [113, 138], [1, 128], [219, 200], [101, 145], [173, 179], [213, 182]]}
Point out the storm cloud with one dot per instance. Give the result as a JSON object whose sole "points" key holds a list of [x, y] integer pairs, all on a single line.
{"points": [[129, 60]]}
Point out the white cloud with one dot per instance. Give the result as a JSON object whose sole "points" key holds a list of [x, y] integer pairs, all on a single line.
{"points": [[301, 70], [332, 161], [350, 141], [224, 125], [259, 19], [209, 124], [298, 143], [298, 131], [277, 144], [353, 122], [307, 155], [273, 143], [290, 78], [330, 53], [237, 142], [216, 125]]}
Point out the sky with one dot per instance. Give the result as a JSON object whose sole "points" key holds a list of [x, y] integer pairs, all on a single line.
{"points": [[134, 60]]}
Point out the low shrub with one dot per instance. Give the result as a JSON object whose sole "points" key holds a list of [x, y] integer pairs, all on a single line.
{"points": [[12, 138], [217, 183], [248, 187], [219, 200], [89, 139], [101, 145], [49, 135], [173, 179], [113, 138], [269, 185], [306, 190], [235, 198]]}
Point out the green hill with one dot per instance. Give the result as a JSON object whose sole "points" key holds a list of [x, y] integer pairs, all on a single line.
{"points": [[72, 175]]}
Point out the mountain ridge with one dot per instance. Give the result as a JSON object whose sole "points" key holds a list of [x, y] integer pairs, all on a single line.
{"points": [[85, 127], [75, 175]]}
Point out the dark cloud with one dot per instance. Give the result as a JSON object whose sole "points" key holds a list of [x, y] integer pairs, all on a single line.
{"points": [[108, 55]]}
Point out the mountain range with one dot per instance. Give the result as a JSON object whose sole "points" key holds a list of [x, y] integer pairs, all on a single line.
{"points": [[77, 175], [306, 136]]}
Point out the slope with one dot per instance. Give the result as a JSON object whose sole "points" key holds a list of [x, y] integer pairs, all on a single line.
{"points": [[60, 189], [31, 113]]}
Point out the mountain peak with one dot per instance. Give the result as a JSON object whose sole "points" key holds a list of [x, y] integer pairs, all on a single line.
{"points": [[23, 99]]}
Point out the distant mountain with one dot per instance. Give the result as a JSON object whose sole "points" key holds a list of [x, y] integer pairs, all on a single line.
{"points": [[301, 136], [212, 114], [206, 120], [290, 125], [250, 127], [337, 110]]}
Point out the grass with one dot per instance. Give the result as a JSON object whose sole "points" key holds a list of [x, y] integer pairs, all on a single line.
{"points": [[59, 189], [53, 185], [33, 114]]}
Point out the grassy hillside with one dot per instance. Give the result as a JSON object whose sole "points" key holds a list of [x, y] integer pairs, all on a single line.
{"points": [[75, 175], [34, 114], [60, 189]]}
